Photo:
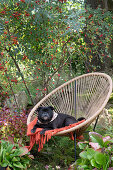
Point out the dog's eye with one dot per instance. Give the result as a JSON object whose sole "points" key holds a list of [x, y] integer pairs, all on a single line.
{"points": [[45, 110]]}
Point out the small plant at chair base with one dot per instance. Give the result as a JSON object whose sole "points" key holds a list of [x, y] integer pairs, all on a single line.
{"points": [[97, 154], [13, 156]]}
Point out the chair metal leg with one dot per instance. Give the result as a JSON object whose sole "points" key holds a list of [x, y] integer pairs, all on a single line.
{"points": [[95, 123], [75, 145]]}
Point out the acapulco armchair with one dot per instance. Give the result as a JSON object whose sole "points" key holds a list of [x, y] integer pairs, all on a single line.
{"points": [[83, 96]]}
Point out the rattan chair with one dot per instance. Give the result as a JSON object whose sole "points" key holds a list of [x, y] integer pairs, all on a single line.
{"points": [[85, 96]]}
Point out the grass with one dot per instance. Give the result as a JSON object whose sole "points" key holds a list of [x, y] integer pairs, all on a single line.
{"points": [[59, 151]]}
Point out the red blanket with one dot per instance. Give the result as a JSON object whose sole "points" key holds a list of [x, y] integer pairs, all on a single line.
{"points": [[41, 139]]}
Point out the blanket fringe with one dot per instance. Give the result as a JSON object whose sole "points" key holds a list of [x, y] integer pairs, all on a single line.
{"points": [[41, 139]]}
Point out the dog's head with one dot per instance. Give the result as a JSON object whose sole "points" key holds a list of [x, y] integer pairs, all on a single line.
{"points": [[45, 114]]}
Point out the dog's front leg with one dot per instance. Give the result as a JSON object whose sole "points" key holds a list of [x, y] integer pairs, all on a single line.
{"points": [[34, 128], [42, 132]]}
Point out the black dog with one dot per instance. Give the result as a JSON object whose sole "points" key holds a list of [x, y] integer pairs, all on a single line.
{"points": [[48, 119]]}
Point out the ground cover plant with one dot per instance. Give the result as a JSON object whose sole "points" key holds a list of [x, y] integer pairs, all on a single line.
{"points": [[98, 154], [13, 156]]}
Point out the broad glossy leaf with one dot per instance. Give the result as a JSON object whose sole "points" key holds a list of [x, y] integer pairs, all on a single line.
{"points": [[25, 161], [18, 165], [94, 164], [83, 155], [4, 163], [16, 153], [9, 148], [96, 138], [78, 161], [107, 138], [95, 146], [23, 151], [15, 159], [100, 158], [90, 153], [82, 145]]}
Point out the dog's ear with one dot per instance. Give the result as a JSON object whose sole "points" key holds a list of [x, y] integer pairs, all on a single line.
{"points": [[38, 109], [52, 108]]}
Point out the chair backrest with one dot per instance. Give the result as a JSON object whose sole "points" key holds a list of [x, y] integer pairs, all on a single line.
{"points": [[84, 96]]}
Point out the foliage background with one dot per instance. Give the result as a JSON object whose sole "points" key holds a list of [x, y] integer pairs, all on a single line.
{"points": [[45, 43]]}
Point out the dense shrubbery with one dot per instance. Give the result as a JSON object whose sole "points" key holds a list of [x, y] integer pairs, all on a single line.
{"points": [[13, 124]]}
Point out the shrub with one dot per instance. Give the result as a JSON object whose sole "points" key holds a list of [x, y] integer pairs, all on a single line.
{"points": [[12, 124]]}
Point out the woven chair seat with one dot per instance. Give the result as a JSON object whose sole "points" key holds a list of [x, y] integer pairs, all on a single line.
{"points": [[85, 96]]}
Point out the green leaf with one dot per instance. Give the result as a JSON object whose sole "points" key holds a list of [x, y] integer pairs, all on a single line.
{"points": [[18, 165], [84, 167], [83, 155], [25, 161], [16, 152], [15, 159], [4, 163], [90, 153], [10, 147], [100, 158], [106, 144], [23, 151], [96, 138], [94, 164], [78, 161], [82, 145], [111, 140]]}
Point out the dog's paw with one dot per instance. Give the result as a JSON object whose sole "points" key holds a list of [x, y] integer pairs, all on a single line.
{"points": [[81, 118], [33, 130], [42, 132]]}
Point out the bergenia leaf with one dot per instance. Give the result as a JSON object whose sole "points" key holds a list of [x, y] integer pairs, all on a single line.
{"points": [[82, 145], [106, 138], [96, 138], [95, 146], [90, 153], [100, 158], [94, 164], [83, 154], [23, 151]]}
